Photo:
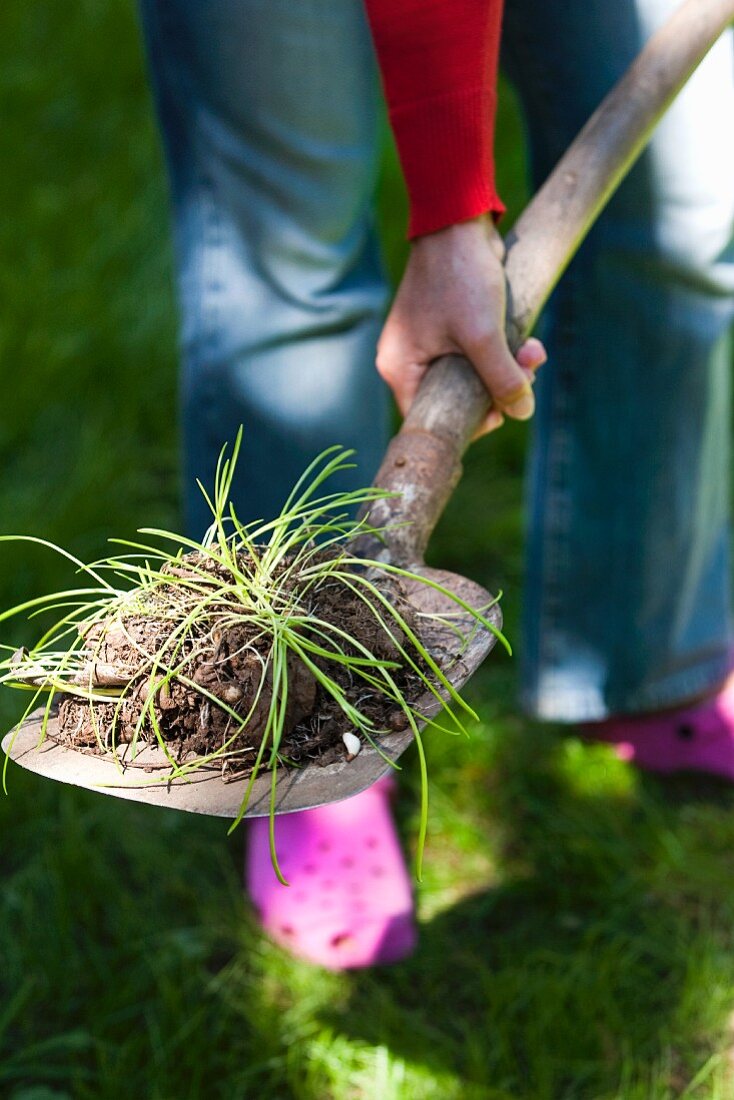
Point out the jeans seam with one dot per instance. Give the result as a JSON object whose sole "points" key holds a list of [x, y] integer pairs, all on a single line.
{"points": [[206, 282], [558, 503], [207, 285]]}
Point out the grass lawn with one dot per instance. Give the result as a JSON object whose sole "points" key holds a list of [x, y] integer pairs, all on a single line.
{"points": [[576, 917]]}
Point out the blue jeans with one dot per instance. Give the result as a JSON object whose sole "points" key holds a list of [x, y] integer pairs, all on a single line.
{"points": [[269, 111]]}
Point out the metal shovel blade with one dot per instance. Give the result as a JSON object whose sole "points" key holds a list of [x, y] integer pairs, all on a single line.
{"points": [[144, 778]]}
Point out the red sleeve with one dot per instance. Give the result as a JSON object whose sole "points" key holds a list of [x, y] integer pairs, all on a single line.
{"points": [[438, 60]]}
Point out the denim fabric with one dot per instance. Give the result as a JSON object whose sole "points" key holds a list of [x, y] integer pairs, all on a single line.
{"points": [[269, 112], [269, 115], [627, 596]]}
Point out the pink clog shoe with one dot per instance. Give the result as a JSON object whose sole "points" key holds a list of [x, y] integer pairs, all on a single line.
{"points": [[699, 737], [349, 901]]}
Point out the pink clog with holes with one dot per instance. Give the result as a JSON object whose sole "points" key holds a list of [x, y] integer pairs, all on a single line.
{"points": [[699, 737], [349, 901]]}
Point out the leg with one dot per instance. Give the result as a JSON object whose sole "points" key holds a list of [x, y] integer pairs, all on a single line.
{"points": [[269, 120], [628, 595]]}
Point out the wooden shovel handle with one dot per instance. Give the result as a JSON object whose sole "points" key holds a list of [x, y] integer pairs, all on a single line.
{"points": [[423, 461]]}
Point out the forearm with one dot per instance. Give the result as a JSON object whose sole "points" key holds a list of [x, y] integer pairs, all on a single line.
{"points": [[438, 60]]}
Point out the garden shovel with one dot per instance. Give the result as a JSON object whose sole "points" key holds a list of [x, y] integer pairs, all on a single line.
{"points": [[423, 461]]}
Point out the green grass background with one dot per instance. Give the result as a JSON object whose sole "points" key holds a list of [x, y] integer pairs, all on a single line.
{"points": [[576, 917]]}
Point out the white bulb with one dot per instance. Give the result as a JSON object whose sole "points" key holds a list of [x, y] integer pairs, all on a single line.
{"points": [[352, 744]]}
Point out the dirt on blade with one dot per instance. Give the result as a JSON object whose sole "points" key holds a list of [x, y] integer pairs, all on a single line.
{"points": [[223, 668]]}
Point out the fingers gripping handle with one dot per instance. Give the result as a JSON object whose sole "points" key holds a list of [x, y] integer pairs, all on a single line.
{"points": [[423, 462]]}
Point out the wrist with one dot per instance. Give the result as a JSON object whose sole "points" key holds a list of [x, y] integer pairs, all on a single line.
{"points": [[474, 232]]}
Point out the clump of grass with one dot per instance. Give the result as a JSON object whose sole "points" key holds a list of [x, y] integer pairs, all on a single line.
{"points": [[262, 577]]}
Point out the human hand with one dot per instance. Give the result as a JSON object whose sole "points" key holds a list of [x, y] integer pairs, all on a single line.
{"points": [[451, 300]]}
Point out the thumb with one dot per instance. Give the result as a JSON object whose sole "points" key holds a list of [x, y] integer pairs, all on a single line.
{"points": [[506, 380]]}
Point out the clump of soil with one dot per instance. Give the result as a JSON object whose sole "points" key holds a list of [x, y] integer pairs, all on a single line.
{"points": [[228, 657]]}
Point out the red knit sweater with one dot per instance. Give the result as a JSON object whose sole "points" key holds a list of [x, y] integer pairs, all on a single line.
{"points": [[438, 60]]}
